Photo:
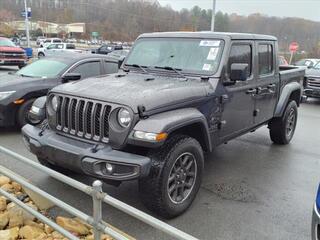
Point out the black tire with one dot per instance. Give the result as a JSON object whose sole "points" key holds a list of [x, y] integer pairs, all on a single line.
{"points": [[23, 112], [56, 168], [282, 129], [21, 66], [154, 189], [40, 55]]}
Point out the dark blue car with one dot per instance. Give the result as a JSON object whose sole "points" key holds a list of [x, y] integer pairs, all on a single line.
{"points": [[316, 218]]}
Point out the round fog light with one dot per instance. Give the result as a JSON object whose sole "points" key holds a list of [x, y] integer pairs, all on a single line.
{"points": [[109, 168]]}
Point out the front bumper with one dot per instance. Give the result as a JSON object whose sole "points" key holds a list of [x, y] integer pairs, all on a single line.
{"points": [[7, 115], [311, 92], [13, 62], [315, 224], [85, 157]]}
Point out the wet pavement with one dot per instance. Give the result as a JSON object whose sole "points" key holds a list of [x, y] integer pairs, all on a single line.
{"points": [[251, 188]]}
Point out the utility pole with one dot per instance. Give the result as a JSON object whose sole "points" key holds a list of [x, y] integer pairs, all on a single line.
{"points": [[213, 14], [27, 22]]}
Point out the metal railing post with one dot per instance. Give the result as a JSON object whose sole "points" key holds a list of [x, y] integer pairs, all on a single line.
{"points": [[97, 208]]}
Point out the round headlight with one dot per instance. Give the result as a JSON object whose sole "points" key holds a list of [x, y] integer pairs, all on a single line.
{"points": [[54, 103], [124, 117]]}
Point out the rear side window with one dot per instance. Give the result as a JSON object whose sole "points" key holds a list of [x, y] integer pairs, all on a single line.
{"points": [[71, 46], [89, 69], [241, 53], [265, 59], [56, 41], [111, 67]]}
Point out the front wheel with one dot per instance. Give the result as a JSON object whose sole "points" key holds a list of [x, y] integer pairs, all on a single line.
{"points": [[175, 177], [282, 129], [22, 118]]}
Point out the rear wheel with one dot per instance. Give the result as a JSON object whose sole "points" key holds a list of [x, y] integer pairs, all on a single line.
{"points": [[21, 66], [175, 177], [282, 129], [40, 55], [22, 118]]}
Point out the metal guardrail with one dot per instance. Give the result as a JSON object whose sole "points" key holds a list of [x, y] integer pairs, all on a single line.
{"points": [[98, 196]]}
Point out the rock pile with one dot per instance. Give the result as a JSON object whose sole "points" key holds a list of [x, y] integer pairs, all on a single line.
{"points": [[16, 223]]}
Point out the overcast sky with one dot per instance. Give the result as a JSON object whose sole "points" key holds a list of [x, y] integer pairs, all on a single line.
{"points": [[309, 9]]}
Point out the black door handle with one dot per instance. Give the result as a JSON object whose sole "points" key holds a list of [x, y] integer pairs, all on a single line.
{"points": [[251, 91]]}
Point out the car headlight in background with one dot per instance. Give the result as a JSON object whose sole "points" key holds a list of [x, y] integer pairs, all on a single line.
{"points": [[4, 95], [54, 103], [124, 118]]}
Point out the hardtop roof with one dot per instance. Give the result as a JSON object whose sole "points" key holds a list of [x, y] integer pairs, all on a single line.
{"points": [[213, 35]]}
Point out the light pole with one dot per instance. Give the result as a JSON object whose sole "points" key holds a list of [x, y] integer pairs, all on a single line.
{"points": [[213, 15], [27, 23]]}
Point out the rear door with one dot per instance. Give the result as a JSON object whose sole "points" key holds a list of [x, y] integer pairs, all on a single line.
{"points": [[267, 81], [237, 116]]}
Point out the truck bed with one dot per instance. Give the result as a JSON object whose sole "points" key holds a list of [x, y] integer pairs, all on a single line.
{"points": [[291, 74]]}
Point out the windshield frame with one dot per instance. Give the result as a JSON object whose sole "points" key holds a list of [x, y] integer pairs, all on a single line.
{"points": [[183, 71]]}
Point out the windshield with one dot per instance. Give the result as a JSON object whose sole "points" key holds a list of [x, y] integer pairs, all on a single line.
{"points": [[43, 68], [6, 43], [189, 55], [317, 66]]}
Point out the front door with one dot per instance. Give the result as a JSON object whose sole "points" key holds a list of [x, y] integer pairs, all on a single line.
{"points": [[237, 115], [267, 82]]}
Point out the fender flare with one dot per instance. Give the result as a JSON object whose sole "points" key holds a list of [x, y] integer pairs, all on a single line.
{"points": [[172, 121], [284, 97]]}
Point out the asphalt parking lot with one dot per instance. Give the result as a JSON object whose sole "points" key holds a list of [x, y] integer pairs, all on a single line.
{"points": [[251, 189]]}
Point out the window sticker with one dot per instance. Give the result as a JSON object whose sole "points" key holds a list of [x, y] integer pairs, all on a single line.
{"points": [[206, 67], [207, 43], [213, 53]]}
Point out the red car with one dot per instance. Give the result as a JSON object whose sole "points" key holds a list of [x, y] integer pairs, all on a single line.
{"points": [[11, 55]]}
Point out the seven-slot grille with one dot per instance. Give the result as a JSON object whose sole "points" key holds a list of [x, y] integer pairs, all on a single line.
{"points": [[83, 118], [314, 82]]}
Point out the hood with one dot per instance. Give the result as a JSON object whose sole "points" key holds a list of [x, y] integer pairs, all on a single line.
{"points": [[313, 72], [12, 82], [135, 89], [11, 49]]}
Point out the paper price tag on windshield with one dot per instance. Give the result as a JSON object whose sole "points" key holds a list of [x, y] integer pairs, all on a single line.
{"points": [[206, 67], [213, 53], [207, 43]]}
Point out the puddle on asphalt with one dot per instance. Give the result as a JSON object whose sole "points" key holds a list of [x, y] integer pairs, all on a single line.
{"points": [[235, 191]]}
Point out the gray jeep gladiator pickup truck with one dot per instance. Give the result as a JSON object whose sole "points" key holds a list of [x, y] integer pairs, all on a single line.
{"points": [[177, 96]]}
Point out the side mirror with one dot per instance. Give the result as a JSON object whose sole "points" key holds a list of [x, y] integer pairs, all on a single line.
{"points": [[310, 66], [239, 72], [37, 113], [70, 77]]}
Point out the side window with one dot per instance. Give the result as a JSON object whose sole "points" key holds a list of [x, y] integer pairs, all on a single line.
{"points": [[56, 41], [70, 46], [241, 53], [89, 69], [111, 67], [265, 59], [52, 46]]}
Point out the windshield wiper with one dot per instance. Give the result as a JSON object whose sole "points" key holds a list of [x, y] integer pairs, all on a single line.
{"points": [[143, 68], [176, 70], [23, 75]]}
